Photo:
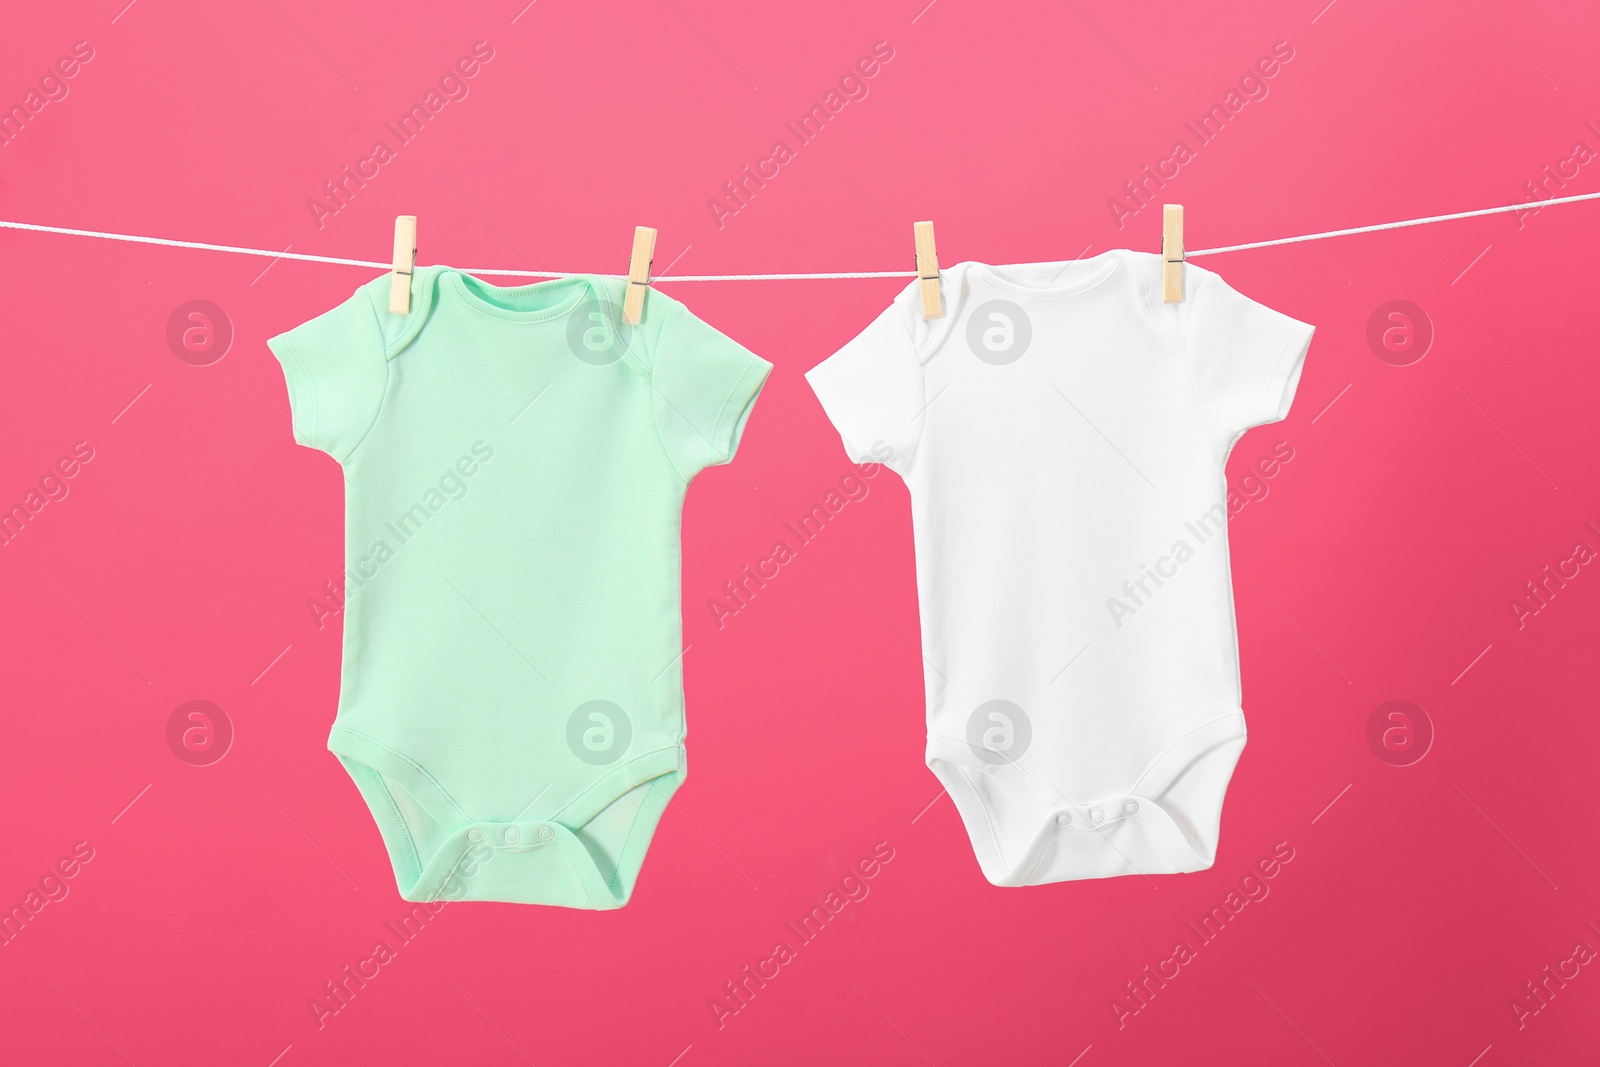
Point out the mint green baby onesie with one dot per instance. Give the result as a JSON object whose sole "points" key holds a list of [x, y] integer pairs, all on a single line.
{"points": [[515, 462]]}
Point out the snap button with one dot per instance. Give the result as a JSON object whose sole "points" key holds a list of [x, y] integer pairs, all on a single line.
{"points": [[546, 834], [1064, 819], [475, 836], [1097, 813], [1130, 807], [512, 835]]}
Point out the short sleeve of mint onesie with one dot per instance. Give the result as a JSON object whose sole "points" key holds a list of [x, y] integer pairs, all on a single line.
{"points": [[336, 371], [703, 386]]}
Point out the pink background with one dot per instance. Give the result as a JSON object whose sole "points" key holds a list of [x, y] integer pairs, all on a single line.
{"points": [[1380, 564]]}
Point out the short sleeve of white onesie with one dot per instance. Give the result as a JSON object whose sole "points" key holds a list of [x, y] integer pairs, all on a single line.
{"points": [[1245, 357], [872, 390]]}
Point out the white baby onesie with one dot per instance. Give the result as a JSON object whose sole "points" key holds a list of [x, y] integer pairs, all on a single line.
{"points": [[1063, 433]]}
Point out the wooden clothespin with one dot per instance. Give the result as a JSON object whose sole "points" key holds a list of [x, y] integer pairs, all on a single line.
{"points": [[644, 253], [1172, 253], [928, 270], [405, 261]]}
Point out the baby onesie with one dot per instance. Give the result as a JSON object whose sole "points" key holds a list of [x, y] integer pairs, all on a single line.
{"points": [[515, 463], [1063, 433]]}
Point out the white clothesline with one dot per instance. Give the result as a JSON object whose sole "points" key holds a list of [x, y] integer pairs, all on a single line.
{"points": [[381, 265]]}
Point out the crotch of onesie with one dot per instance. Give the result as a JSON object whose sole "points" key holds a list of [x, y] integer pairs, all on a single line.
{"points": [[1027, 828], [582, 849]]}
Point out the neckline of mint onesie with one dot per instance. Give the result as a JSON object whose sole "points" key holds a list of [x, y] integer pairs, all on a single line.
{"points": [[501, 301]]}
